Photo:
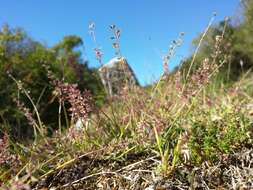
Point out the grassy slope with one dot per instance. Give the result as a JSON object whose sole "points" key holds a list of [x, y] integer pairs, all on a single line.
{"points": [[177, 134]]}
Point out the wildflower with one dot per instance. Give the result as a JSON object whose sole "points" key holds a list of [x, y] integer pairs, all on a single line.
{"points": [[80, 103], [98, 51], [172, 48], [202, 75], [98, 54], [26, 111], [116, 37]]}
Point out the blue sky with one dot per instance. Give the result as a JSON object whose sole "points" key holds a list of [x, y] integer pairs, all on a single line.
{"points": [[148, 26]]}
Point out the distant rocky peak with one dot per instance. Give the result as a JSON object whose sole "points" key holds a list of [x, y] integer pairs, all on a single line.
{"points": [[116, 75]]}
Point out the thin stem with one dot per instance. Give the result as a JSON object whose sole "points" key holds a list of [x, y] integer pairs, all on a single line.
{"points": [[199, 45], [40, 127]]}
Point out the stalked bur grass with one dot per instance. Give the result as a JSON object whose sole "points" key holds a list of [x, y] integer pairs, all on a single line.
{"points": [[207, 71], [199, 44], [116, 39], [215, 69], [166, 59], [37, 126], [164, 167], [97, 49]]}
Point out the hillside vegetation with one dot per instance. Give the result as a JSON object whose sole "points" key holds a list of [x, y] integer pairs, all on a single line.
{"points": [[191, 129]]}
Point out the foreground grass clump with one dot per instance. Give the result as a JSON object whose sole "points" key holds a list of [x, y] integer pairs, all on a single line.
{"points": [[168, 131]]}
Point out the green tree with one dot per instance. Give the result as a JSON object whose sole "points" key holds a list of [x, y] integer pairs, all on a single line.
{"points": [[24, 58]]}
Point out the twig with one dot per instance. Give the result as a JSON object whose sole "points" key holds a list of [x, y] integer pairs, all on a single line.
{"points": [[145, 171], [70, 161], [87, 177], [136, 163]]}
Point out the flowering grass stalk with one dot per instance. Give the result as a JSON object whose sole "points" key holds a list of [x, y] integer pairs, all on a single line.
{"points": [[97, 49], [116, 39], [40, 126]]}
